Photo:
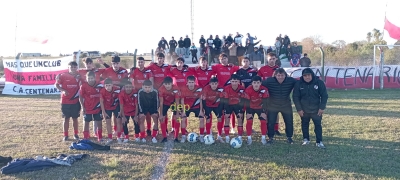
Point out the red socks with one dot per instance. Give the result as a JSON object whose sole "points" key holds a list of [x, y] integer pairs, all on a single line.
{"points": [[76, 132], [276, 127], [177, 127], [173, 122], [164, 129], [220, 125], [166, 123], [208, 127], [249, 127], [66, 133], [136, 136], [99, 134], [115, 128], [154, 134], [201, 131], [183, 131], [240, 130], [85, 134], [226, 130], [263, 126], [148, 120], [119, 134], [126, 136], [142, 134], [233, 121]]}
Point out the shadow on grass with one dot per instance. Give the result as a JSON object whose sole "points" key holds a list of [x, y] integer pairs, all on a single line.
{"points": [[32, 97], [363, 157], [362, 112]]}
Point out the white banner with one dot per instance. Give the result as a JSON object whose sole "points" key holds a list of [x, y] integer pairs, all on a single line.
{"points": [[37, 65], [16, 89]]}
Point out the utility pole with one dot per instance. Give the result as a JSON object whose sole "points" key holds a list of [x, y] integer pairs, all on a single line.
{"points": [[192, 18]]}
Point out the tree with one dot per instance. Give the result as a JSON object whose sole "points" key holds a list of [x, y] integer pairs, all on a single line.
{"points": [[377, 35], [339, 44], [369, 36]]}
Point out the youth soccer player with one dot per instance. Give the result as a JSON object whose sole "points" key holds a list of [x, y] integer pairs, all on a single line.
{"points": [[246, 73], [148, 103], [68, 84], [128, 108], [110, 106], [180, 73], [203, 72], [137, 77], [257, 104], [159, 70], [233, 104], [90, 103], [211, 96], [190, 100], [169, 95]]}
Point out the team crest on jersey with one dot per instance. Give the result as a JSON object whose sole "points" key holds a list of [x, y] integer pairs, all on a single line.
{"points": [[315, 87], [260, 95], [135, 95], [119, 76], [229, 68], [206, 73], [250, 74], [144, 75], [163, 70], [97, 90], [184, 74]]}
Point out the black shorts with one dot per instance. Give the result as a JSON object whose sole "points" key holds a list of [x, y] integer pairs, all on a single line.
{"points": [[150, 111], [115, 112], [94, 117], [71, 110], [217, 111], [255, 111], [129, 117], [235, 108], [165, 110], [195, 111]]}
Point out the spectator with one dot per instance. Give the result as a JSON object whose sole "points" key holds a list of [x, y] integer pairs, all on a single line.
{"points": [[278, 46], [262, 51], [251, 38], [181, 47], [187, 44], [269, 49], [225, 50], [305, 61], [296, 49], [286, 41], [255, 58], [217, 44], [162, 43], [233, 54], [250, 47], [310, 98], [193, 51], [210, 41], [229, 40], [238, 38], [172, 44], [240, 51], [223, 40], [295, 60], [202, 43], [280, 39], [289, 52]]}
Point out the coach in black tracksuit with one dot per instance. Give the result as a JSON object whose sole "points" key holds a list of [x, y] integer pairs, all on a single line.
{"points": [[310, 98], [280, 86]]}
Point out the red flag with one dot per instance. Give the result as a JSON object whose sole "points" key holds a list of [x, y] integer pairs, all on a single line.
{"points": [[393, 30], [38, 40]]}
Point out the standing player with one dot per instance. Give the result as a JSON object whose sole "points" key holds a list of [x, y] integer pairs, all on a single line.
{"points": [[148, 104], [159, 70], [137, 77], [68, 84], [257, 97], [169, 95], [233, 104], [190, 100], [203, 72], [211, 97], [90, 103], [179, 73], [266, 72], [129, 108], [110, 106], [246, 73]]}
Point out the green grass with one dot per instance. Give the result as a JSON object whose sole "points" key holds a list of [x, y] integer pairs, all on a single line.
{"points": [[360, 128]]}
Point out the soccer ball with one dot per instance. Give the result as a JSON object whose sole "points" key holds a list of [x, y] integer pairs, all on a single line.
{"points": [[209, 139], [236, 143], [192, 137]]}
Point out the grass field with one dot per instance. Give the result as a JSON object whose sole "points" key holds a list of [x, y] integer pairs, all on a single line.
{"points": [[361, 129]]}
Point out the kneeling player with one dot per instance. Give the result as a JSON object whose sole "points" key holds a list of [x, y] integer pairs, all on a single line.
{"points": [[191, 102], [233, 105], [169, 95], [110, 106], [129, 108], [211, 103], [90, 103], [148, 103], [257, 96]]}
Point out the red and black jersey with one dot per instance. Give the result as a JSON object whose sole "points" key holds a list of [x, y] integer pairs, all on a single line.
{"points": [[139, 76], [129, 102], [191, 97], [233, 95], [69, 83], [212, 97], [224, 73], [91, 97], [110, 99], [115, 76], [246, 75], [168, 96], [97, 72], [256, 97], [267, 71], [159, 73], [179, 76], [202, 76]]}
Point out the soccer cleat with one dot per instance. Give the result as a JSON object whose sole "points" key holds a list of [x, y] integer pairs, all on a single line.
{"points": [[232, 131], [278, 133], [320, 145], [201, 139], [148, 132], [249, 141], [154, 140], [183, 139], [176, 140], [65, 138], [270, 141], [219, 138], [263, 141], [164, 140], [126, 140], [119, 140], [137, 140], [305, 142], [289, 140], [143, 140], [108, 142], [76, 137], [114, 134], [227, 139], [253, 131]]}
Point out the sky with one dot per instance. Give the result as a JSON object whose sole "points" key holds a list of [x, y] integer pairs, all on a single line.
{"points": [[123, 25]]}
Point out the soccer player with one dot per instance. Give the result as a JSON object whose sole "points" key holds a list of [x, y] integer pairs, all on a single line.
{"points": [[159, 70], [266, 72], [191, 102], [246, 73], [233, 104], [169, 95], [128, 108], [110, 106], [68, 84], [180, 73], [211, 96], [90, 103], [148, 103], [202, 72], [257, 104], [137, 77]]}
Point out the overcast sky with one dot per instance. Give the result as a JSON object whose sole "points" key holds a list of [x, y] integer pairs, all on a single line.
{"points": [[123, 25]]}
